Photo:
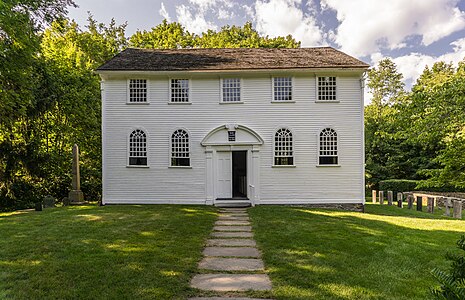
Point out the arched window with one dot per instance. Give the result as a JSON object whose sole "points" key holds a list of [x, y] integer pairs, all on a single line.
{"points": [[180, 155], [283, 148], [328, 147], [138, 148]]}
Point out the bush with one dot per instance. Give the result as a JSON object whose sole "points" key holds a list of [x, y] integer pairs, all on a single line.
{"points": [[452, 283], [398, 185]]}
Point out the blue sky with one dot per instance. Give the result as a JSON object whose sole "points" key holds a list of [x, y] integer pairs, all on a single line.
{"points": [[414, 33]]}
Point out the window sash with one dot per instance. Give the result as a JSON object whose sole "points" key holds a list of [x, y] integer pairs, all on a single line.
{"points": [[283, 147], [282, 89], [137, 148], [137, 90], [179, 90], [328, 147], [231, 89], [327, 88], [180, 151]]}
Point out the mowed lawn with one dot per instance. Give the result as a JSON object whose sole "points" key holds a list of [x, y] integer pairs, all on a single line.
{"points": [[112, 252], [385, 253]]}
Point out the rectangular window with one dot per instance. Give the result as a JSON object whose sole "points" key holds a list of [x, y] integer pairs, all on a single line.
{"points": [[179, 90], [231, 88], [327, 88], [137, 90], [282, 88]]}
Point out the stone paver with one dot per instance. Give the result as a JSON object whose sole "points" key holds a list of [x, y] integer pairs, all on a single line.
{"points": [[232, 223], [232, 228], [234, 215], [221, 218], [231, 264], [232, 242], [231, 282], [231, 251], [232, 234]]}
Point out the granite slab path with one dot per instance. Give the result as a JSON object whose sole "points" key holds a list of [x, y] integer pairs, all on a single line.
{"points": [[231, 248]]}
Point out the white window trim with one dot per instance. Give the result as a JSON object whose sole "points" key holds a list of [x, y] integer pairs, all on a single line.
{"points": [[128, 145], [292, 89], [317, 93], [273, 165], [189, 94], [128, 93], [240, 91], [318, 165], [171, 148]]}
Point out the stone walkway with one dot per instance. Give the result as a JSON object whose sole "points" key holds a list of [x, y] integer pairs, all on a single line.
{"points": [[230, 251]]}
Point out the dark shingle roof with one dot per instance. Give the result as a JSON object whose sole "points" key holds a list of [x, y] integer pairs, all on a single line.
{"points": [[133, 59]]}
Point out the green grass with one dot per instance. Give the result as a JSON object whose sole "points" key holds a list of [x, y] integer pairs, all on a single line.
{"points": [[385, 253], [112, 252]]}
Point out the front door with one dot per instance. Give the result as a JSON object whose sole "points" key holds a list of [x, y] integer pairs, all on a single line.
{"points": [[224, 175], [239, 174]]}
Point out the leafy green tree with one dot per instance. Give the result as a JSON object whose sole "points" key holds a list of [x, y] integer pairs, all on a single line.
{"points": [[163, 36], [452, 283]]}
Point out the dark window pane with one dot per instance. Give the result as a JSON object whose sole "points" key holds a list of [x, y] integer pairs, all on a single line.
{"points": [[180, 162], [138, 161], [283, 161], [328, 160]]}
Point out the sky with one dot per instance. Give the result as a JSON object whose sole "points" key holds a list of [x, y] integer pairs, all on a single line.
{"points": [[414, 33]]}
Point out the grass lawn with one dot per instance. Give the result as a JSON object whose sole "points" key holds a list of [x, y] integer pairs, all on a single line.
{"points": [[112, 252], [385, 253]]}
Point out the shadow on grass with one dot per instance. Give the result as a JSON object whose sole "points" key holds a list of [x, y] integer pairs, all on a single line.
{"points": [[113, 252], [326, 254]]}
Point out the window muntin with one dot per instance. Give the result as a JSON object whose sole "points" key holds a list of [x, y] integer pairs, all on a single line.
{"points": [[282, 89], [180, 154], [138, 148], [137, 90], [179, 90], [231, 89], [327, 88], [283, 148], [328, 147]]}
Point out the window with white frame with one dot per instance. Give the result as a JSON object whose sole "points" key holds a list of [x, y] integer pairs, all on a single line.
{"points": [[328, 147], [138, 148], [137, 90], [282, 89], [179, 90], [231, 89], [180, 154], [283, 147], [327, 88]]}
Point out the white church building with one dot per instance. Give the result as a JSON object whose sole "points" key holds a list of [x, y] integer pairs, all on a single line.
{"points": [[226, 126]]}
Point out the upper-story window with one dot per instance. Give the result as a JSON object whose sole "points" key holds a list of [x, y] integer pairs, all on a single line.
{"points": [[137, 90], [138, 148], [327, 88], [328, 147], [179, 90], [282, 89], [231, 89], [180, 154], [283, 148]]}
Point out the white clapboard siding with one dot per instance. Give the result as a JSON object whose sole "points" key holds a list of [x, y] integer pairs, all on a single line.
{"points": [[306, 183]]}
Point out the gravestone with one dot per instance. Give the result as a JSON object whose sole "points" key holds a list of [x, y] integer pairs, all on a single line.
{"points": [[373, 196], [49, 201], [76, 196], [457, 209], [447, 205], [389, 197], [400, 199], [410, 200], [419, 203], [381, 197], [430, 205], [38, 206]]}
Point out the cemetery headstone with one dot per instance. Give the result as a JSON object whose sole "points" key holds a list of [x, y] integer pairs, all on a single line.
{"points": [[410, 200], [373, 196], [381, 197], [447, 205], [457, 209], [75, 195], [400, 199], [390, 197], [419, 203], [430, 205]]}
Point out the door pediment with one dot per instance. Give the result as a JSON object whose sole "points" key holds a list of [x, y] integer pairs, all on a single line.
{"points": [[220, 136]]}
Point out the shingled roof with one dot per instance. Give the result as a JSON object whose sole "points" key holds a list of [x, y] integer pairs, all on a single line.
{"points": [[133, 59]]}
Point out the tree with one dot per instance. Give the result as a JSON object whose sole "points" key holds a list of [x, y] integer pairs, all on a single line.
{"points": [[163, 36]]}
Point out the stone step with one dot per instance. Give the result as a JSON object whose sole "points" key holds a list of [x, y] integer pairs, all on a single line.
{"points": [[238, 234], [232, 228], [231, 282], [234, 210], [231, 251], [231, 264], [231, 242], [232, 223], [222, 218]]}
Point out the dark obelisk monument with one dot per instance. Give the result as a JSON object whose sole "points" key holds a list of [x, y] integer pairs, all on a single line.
{"points": [[76, 196]]}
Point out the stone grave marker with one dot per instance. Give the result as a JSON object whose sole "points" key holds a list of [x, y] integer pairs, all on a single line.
{"points": [[381, 197], [410, 200], [76, 196], [430, 205], [373, 196], [457, 209], [447, 205], [389, 197], [419, 203], [400, 199]]}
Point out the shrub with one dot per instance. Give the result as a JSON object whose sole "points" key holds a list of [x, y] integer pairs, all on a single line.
{"points": [[398, 185], [452, 284]]}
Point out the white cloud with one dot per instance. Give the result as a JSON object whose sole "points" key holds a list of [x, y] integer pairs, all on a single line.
{"points": [[195, 23], [224, 14], [284, 17], [164, 13], [368, 26]]}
